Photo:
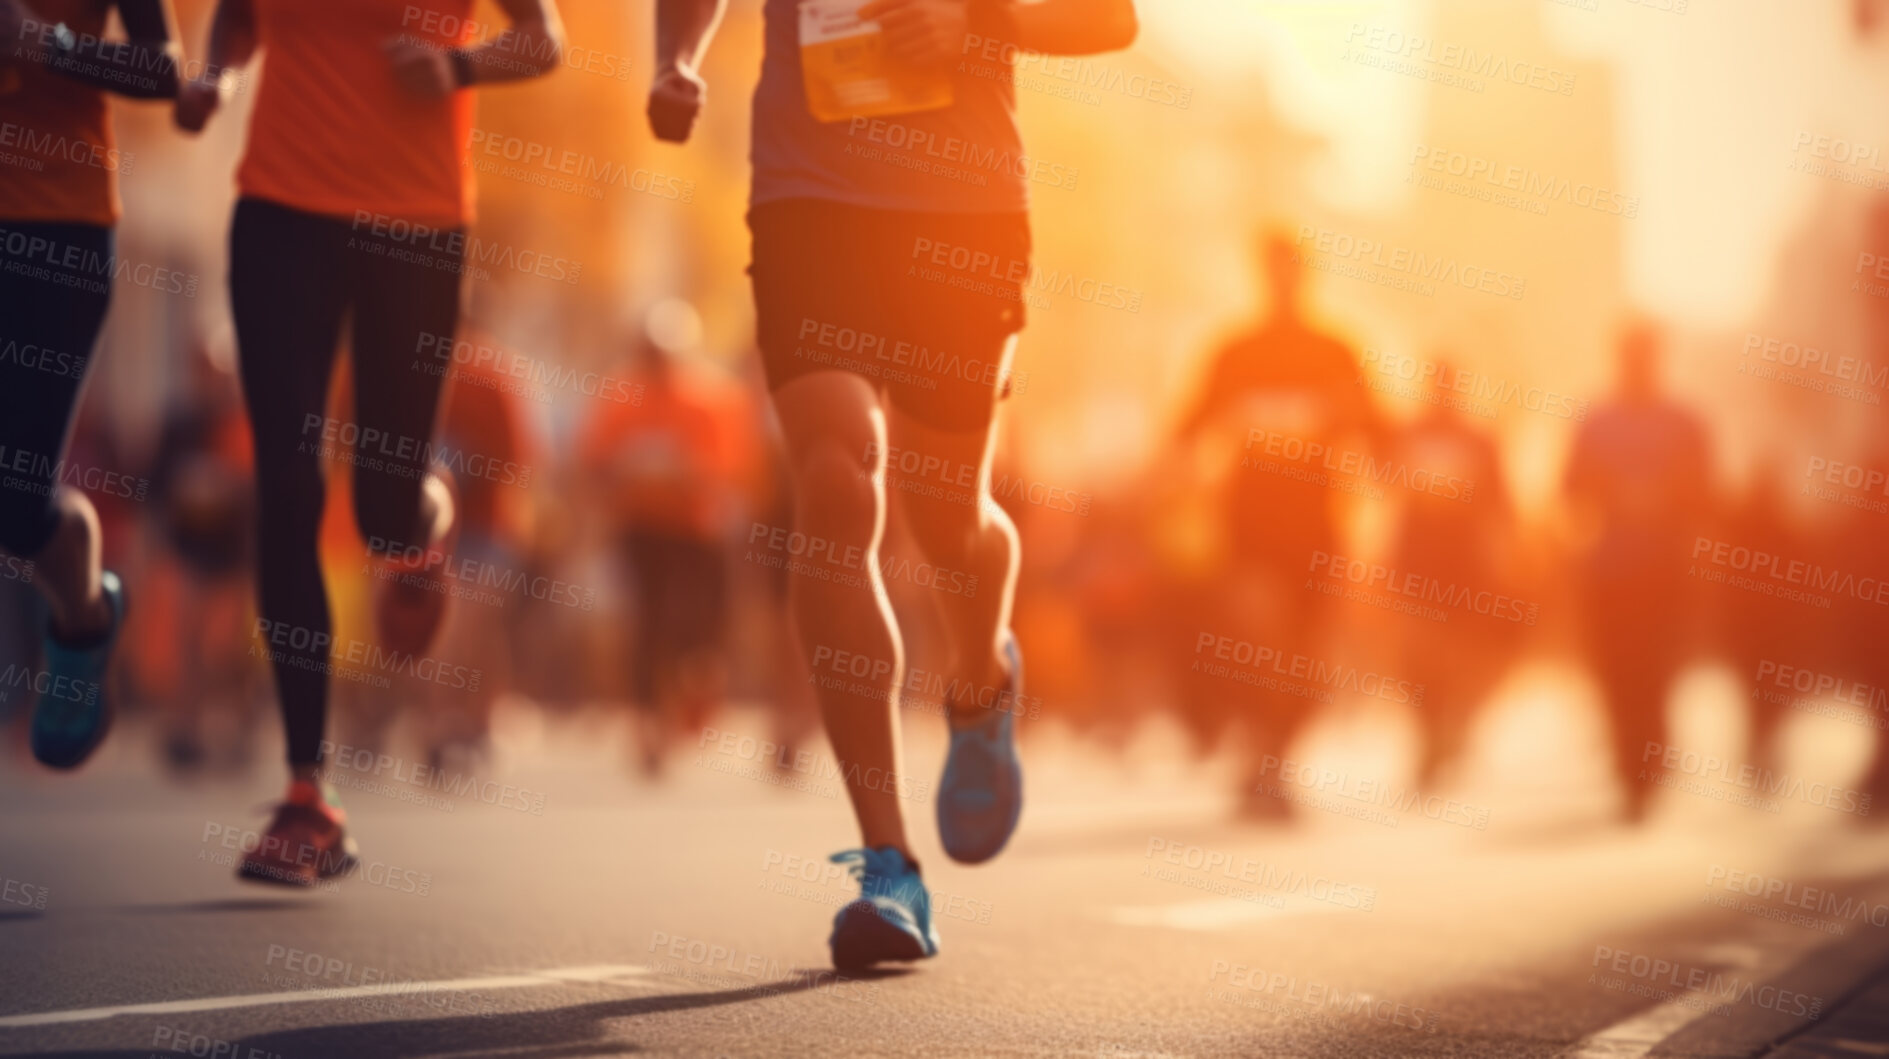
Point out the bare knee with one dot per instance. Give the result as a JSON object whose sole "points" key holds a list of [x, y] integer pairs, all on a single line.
{"points": [[977, 536], [836, 497]]}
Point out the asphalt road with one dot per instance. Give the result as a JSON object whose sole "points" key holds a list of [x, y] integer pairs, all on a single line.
{"points": [[614, 916]]}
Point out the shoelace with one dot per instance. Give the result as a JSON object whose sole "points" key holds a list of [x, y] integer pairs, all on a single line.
{"points": [[862, 862], [879, 873]]}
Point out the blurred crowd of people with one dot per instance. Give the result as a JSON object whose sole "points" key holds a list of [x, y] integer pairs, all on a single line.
{"points": [[1230, 584]]}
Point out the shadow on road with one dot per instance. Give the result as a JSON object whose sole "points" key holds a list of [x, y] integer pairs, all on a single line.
{"points": [[556, 1033], [227, 904]]}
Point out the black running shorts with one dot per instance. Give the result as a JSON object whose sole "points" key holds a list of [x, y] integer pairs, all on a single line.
{"points": [[920, 304]]}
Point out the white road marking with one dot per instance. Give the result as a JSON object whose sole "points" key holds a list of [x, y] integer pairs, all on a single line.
{"points": [[1633, 1037], [613, 974]]}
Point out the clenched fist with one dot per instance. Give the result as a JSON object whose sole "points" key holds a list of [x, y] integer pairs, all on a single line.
{"points": [[674, 101]]}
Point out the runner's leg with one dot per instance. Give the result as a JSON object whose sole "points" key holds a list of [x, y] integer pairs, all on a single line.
{"points": [[49, 330], [977, 539], [836, 435], [403, 309], [287, 299]]}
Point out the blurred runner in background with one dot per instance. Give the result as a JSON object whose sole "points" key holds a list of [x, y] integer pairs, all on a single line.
{"points": [[58, 211], [483, 413], [1272, 397], [673, 467], [193, 653], [1457, 526], [1639, 485]]}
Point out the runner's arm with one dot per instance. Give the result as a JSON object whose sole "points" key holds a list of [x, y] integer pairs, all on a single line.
{"points": [[143, 66], [232, 44], [684, 29], [532, 47]]}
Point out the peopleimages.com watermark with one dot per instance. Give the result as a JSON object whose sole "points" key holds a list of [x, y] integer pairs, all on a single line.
{"points": [[954, 481], [123, 61], [1847, 484], [1513, 186], [824, 882], [983, 271], [41, 257], [894, 358], [1413, 593], [1720, 779], [1289, 672], [23, 894], [1769, 574], [513, 50], [1247, 878], [473, 363], [356, 661], [1693, 986], [1789, 902], [1472, 392], [926, 690], [920, 150], [1448, 63], [374, 449], [1339, 791], [1399, 267], [225, 842], [1321, 463], [452, 250], [293, 968], [470, 578], [1077, 78], [1842, 160], [571, 172], [1805, 690], [823, 559], [389, 776], [179, 1041], [1809, 368], [41, 474], [30, 356], [44, 684], [28, 148]]}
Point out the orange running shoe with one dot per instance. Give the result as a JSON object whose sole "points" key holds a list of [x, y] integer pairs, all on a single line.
{"points": [[306, 842]]}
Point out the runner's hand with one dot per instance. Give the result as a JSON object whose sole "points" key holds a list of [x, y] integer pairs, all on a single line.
{"points": [[197, 99], [925, 33], [425, 72], [674, 101]]}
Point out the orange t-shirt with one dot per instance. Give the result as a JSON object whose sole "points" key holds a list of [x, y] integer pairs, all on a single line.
{"points": [[334, 133], [57, 161]]}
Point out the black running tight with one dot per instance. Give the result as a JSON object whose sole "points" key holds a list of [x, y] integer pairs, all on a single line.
{"points": [[295, 278], [55, 285]]}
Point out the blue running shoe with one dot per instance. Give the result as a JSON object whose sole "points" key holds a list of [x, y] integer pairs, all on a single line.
{"points": [[73, 714], [980, 797], [892, 918]]}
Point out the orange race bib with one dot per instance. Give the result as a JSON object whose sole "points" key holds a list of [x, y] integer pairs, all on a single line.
{"points": [[847, 72]]}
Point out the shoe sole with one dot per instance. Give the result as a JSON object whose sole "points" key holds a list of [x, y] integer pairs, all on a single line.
{"points": [[84, 754], [869, 939], [250, 871]]}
